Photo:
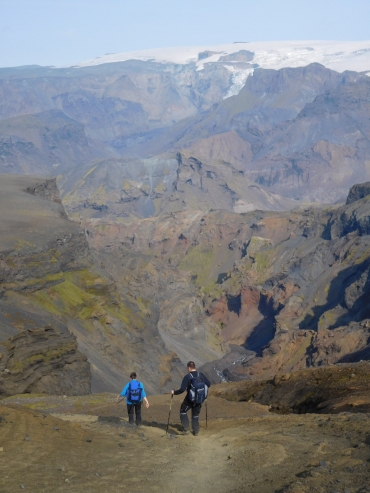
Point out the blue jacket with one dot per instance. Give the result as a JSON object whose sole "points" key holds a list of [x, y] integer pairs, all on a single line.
{"points": [[125, 391]]}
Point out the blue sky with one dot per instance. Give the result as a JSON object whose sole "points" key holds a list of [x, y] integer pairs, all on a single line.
{"points": [[63, 32]]}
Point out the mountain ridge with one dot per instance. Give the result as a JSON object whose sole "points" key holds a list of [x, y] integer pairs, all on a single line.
{"points": [[353, 55], [140, 112]]}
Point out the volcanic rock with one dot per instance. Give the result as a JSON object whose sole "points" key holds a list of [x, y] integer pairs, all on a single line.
{"points": [[358, 191], [48, 278], [293, 295], [328, 389], [43, 361]]}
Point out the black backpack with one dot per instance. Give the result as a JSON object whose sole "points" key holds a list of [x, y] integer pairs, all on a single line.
{"points": [[134, 392], [198, 389]]}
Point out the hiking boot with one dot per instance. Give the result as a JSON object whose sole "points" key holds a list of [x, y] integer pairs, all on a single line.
{"points": [[185, 432], [196, 433]]}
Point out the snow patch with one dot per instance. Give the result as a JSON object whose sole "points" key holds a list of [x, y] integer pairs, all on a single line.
{"points": [[337, 55], [242, 206], [238, 79], [220, 375]]}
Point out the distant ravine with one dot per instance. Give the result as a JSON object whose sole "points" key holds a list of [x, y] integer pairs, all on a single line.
{"points": [[157, 211]]}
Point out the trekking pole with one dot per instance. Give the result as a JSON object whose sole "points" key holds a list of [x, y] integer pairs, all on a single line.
{"points": [[206, 414], [169, 414]]}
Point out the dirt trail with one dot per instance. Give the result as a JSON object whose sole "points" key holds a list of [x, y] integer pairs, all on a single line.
{"points": [[244, 448]]}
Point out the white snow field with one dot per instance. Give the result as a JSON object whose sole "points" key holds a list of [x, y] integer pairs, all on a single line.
{"points": [[336, 55]]}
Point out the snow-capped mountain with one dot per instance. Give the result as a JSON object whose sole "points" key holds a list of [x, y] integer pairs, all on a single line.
{"points": [[189, 126], [336, 55]]}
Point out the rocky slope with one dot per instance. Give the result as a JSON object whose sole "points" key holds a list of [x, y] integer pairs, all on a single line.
{"points": [[52, 292], [285, 132], [117, 105], [303, 132], [283, 290], [153, 187], [268, 97], [143, 137], [43, 360], [46, 144], [329, 389], [324, 157], [38, 243]]}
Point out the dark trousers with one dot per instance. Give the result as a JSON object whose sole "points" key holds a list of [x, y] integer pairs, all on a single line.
{"points": [[195, 410], [131, 408]]}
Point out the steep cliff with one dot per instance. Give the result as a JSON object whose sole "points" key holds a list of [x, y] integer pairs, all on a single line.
{"points": [[37, 244], [52, 292]]}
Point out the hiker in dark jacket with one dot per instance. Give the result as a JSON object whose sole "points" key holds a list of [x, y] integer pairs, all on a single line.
{"points": [[188, 401], [135, 395]]}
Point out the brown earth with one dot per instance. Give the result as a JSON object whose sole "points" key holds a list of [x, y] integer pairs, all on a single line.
{"points": [[327, 389], [88, 448]]}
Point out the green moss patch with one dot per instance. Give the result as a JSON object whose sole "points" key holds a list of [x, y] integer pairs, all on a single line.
{"points": [[86, 296], [199, 261]]}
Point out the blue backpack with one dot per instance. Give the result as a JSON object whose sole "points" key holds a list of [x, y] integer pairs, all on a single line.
{"points": [[198, 390], [134, 392]]}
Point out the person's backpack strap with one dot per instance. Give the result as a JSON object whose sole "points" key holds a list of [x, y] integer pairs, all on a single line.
{"points": [[191, 378]]}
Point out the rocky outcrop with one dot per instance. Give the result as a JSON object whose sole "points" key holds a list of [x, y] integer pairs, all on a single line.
{"points": [[46, 189], [38, 246], [42, 360], [351, 219], [152, 187], [48, 277], [358, 191], [328, 389]]}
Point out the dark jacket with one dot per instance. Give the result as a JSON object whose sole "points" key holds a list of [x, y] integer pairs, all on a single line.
{"points": [[185, 384]]}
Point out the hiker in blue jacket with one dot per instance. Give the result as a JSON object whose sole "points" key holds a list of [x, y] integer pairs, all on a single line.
{"points": [[135, 395]]}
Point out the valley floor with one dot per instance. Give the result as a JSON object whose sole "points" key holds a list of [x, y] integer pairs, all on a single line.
{"points": [[80, 444]]}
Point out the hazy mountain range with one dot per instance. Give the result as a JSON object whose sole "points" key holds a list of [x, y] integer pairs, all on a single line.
{"points": [[189, 173], [237, 127]]}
